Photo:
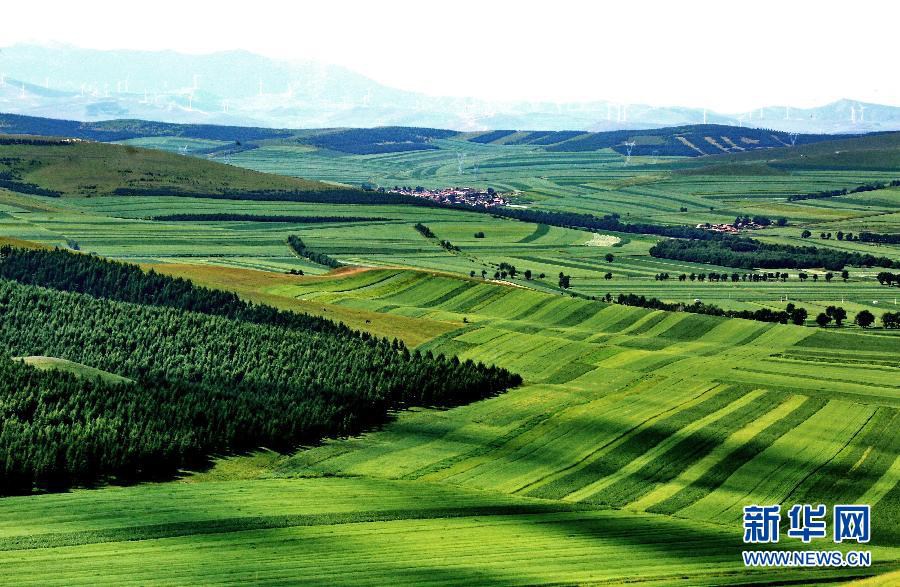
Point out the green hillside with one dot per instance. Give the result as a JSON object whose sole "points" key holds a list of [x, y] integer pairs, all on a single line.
{"points": [[685, 141], [92, 169], [54, 363], [672, 419], [875, 152], [625, 456]]}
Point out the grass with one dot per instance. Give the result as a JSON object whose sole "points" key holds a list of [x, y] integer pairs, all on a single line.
{"points": [[90, 169], [673, 420], [356, 532], [449, 496], [48, 363]]}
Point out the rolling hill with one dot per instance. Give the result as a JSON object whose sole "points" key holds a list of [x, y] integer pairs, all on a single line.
{"points": [[681, 141], [62, 166], [626, 454]]}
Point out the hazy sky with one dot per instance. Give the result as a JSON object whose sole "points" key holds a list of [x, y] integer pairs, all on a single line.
{"points": [[725, 55]]}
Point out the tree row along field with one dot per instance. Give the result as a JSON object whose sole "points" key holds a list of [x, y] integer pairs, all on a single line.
{"points": [[115, 226]]}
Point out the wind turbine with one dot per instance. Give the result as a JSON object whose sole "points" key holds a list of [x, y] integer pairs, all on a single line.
{"points": [[793, 137], [628, 147], [704, 116], [460, 157], [22, 95], [2, 79], [852, 114], [862, 116]]}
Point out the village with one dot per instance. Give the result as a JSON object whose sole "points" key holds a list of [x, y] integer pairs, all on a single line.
{"points": [[739, 224], [455, 195]]}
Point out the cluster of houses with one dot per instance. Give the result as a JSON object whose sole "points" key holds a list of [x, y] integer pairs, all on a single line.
{"points": [[456, 195], [733, 228], [718, 227]]}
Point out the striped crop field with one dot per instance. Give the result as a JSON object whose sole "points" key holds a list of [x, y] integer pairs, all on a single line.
{"points": [[631, 448], [120, 227], [625, 456]]}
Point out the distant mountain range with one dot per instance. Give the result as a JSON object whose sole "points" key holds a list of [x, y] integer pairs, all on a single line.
{"points": [[240, 88]]}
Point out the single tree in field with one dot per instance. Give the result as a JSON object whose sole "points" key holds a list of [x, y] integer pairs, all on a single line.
{"points": [[805, 234], [483, 273], [891, 319], [472, 273], [838, 314], [496, 275], [829, 276], [798, 316], [541, 276], [815, 277], [802, 276], [609, 258], [823, 319], [608, 275], [864, 319], [528, 274], [845, 275]]}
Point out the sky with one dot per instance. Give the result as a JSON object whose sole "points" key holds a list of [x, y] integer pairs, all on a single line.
{"points": [[725, 55]]}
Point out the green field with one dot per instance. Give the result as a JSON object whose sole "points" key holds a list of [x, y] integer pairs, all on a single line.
{"points": [[669, 418], [625, 457]]}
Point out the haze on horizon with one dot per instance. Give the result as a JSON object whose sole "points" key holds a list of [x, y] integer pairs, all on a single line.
{"points": [[693, 53]]}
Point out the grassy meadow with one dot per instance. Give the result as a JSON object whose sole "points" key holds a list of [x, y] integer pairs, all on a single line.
{"points": [[625, 457]]}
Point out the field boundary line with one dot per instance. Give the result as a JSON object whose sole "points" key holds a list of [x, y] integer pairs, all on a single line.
{"points": [[661, 448], [737, 439], [613, 443]]}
